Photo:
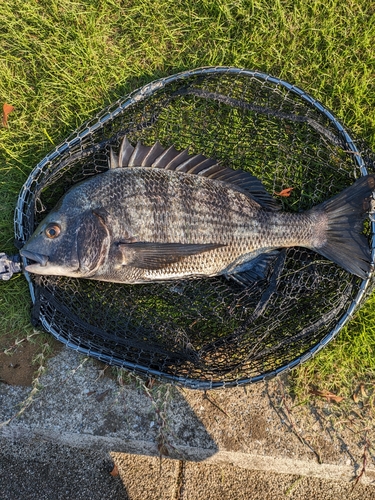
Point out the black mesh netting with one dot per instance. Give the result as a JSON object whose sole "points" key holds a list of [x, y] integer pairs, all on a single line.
{"points": [[208, 332]]}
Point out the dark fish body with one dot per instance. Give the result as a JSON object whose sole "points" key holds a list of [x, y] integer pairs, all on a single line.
{"points": [[162, 214]]}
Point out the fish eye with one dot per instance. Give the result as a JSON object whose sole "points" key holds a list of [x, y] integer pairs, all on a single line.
{"points": [[52, 231]]}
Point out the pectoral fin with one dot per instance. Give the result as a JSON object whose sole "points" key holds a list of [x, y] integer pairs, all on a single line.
{"points": [[158, 255]]}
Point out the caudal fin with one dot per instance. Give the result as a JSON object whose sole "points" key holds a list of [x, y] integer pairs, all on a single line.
{"points": [[344, 242]]}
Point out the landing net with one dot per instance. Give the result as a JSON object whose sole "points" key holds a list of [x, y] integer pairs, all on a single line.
{"points": [[212, 332]]}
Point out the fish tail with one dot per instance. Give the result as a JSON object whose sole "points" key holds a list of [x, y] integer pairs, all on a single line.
{"points": [[343, 241]]}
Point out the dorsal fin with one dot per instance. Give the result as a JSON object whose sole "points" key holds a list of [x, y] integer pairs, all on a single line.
{"points": [[113, 159], [126, 150], [154, 152], [157, 156]]}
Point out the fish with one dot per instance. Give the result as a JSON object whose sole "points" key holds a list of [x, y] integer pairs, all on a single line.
{"points": [[160, 214]]}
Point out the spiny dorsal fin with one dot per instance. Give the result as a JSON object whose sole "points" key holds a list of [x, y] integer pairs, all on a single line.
{"points": [[157, 156], [125, 153], [113, 159], [154, 152]]}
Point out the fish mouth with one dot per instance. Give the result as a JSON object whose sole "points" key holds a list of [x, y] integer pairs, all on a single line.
{"points": [[35, 257]]}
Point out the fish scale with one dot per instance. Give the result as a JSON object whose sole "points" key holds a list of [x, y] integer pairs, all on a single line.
{"points": [[151, 217], [218, 214]]}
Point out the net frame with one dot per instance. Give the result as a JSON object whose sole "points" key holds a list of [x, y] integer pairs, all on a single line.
{"points": [[80, 142]]}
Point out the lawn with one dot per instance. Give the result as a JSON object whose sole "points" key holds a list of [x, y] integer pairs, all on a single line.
{"points": [[63, 61]]}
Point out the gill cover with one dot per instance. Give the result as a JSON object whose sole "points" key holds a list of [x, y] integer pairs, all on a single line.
{"points": [[93, 241]]}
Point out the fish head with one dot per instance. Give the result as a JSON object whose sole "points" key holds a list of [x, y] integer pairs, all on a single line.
{"points": [[72, 245]]}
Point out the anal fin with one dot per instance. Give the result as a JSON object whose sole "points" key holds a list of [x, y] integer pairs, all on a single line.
{"points": [[255, 270]]}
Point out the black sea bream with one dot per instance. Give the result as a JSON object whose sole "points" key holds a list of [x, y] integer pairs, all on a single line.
{"points": [[159, 214]]}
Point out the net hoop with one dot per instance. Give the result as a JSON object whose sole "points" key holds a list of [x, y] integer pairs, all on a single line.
{"points": [[26, 204]]}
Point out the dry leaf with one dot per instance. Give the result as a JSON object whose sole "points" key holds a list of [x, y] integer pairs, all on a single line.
{"points": [[114, 472], [359, 393], [355, 397], [7, 108], [326, 394], [363, 390], [285, 192]]}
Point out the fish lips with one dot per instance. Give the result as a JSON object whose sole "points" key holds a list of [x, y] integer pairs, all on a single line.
{"points": [[41, 264], [37, 258]]}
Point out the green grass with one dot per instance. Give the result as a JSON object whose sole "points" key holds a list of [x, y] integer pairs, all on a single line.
{"points": [[62, 61], [346, 363]]}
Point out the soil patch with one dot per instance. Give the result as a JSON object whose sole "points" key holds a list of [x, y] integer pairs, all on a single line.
{"points": [[17, 368]]}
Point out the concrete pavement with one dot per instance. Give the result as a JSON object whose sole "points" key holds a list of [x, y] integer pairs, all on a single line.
{"points": [[233, 443]]}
